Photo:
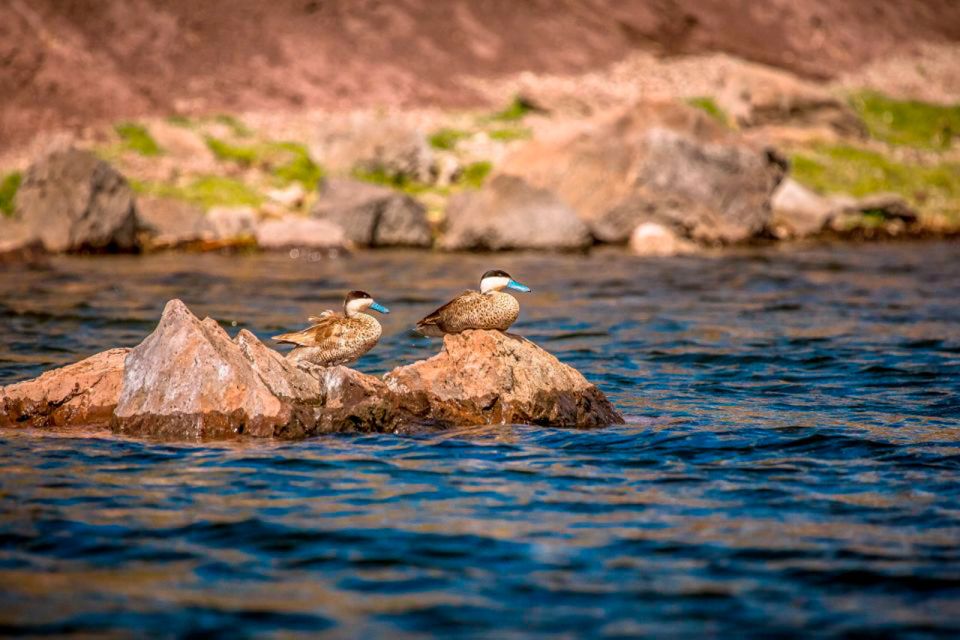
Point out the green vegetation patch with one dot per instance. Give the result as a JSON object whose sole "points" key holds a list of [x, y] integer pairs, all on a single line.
{"points": [[908, 122], [516, 110], [286, 161], [206, 191], [475, 173], [180, 121], [446, 139], [510, 134], [860, 172], [243, 155], [136, 138], [8, 190], [711, 108], [400, 182], [298, 166]]}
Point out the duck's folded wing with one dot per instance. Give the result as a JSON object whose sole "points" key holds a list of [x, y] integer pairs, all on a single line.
{"points": [[434, 319], [326, 328]]}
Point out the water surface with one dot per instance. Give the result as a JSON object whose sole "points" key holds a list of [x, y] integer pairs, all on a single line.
{"points": [[791, 459]]}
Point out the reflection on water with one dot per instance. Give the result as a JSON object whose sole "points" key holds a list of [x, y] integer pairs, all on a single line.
{"points": [[791, 458]]}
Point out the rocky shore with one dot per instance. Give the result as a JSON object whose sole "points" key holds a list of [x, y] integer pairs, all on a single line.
{"points": [[189, 380]]}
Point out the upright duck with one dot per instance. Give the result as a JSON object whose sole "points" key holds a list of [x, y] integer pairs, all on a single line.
{"points": [[335, 339], [489, 308]]}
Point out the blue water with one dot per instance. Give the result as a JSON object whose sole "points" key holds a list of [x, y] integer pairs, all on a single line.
{"points": [[790, 465]]}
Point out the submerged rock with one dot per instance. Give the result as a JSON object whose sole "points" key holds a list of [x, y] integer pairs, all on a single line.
{"points": [[373, 216], [73, 201], [487, 376], [84, 393], [656, 162], [508, 213]]}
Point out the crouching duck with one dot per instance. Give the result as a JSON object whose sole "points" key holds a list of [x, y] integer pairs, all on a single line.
{"points": [[335, 339], [489, 308]]}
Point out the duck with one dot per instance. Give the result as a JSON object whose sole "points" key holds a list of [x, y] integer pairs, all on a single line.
{"points": [[489, 308], [333, 339]]}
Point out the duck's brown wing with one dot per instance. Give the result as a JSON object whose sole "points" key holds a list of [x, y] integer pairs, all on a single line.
{"points": [[325, 329], [432, 324]]}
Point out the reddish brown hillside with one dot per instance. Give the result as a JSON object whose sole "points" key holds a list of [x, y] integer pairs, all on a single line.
{"points": [[69, 62]]}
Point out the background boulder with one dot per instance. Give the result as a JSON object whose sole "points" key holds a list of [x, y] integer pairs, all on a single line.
{"points": [[508, 213], [660, 162], [73, 201], [373, 216]]}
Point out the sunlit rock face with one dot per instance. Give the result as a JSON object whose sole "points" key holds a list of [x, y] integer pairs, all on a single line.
{"points": [[492, 377], [84, 393]]}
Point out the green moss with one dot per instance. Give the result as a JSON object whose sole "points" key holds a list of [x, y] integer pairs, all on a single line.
{"points": [[860, 172], [245, 156], [8, 190], [908, 122], [516, 110], [286, 161], [206, 191], [239, 129], [136, 138], [394, 181], [711, 108], [510, 134], [446, 139], [475, 173], [291, 162]]}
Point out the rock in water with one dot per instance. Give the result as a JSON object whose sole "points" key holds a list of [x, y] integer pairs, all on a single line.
{"points": [[84, 393], [510, 214], [492, 377], [73, 201], [189, 380]]}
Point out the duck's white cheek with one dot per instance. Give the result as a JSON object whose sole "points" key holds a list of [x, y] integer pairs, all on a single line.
{"points": [[356, 306], [494, 283]]}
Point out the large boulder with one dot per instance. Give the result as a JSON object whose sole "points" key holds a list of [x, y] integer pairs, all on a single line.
{"points": [[373, 216], [188, 379], [73, 201], [492, 377], [657, 161], [508, 213], [81, 394]]}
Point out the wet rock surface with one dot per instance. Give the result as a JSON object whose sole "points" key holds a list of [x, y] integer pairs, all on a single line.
{"points": [[71, 200], [508, 213], [188, 380], [492, 377], [373, 216], [84, 393], [656, 162]]}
